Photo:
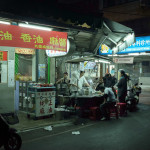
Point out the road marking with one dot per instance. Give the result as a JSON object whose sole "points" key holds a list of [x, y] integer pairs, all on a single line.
{"points": [[36, 128], [36, 139]]}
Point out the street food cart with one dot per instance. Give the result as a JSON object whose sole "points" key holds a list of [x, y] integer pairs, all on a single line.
{"points": [[84, 98], [36, 99]]}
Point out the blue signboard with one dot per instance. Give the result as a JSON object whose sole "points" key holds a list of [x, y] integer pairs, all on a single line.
{"points": [[142, 44]]}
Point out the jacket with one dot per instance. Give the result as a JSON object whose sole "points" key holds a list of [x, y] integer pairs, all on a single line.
{"points": [[122, 86]]}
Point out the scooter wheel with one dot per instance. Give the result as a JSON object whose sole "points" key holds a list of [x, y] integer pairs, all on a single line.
{"points": [[14, 142]]}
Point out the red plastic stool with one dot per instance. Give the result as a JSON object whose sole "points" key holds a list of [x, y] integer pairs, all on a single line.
{"points": [[113, 111], [81, 111], [94, 113], [122, 109]]}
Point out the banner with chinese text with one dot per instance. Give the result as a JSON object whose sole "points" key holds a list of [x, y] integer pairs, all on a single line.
{"points": [[24, 51], [16, 36], [128, 60], [142, 44]]}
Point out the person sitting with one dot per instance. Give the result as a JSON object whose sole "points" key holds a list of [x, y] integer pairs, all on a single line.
{"points": [[65, 79], [109, 100]]}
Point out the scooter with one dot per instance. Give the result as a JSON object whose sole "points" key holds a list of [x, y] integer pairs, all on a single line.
{"points": [[132, 98], [138, 90], [9, 138]]}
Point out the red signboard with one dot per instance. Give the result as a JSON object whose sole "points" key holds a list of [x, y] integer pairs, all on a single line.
{"points": [[3, 56], [16, 36]]}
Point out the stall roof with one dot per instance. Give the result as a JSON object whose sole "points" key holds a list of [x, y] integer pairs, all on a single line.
{"points": [[82, 59], [114, 35], [117, 36]]}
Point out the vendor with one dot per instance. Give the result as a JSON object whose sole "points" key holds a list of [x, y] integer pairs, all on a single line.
{"points": [[82, 81], [74, 82], [65, 79], [78, 81]]}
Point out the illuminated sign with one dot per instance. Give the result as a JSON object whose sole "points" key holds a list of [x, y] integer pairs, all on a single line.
{"points": [[24, 51], [16, 36], [53, 53], [142, 44]]}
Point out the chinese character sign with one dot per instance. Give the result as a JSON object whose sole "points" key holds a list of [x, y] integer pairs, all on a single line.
{"points": [[24, 51], [15, 36], [142, 44], [45, 103]]}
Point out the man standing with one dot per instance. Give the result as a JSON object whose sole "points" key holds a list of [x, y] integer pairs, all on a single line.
{"points": [[107, 80], [82, 81], [122, 87]]}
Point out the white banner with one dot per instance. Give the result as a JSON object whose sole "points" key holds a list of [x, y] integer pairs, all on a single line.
{"points": [[11, 74], [127, 60]]}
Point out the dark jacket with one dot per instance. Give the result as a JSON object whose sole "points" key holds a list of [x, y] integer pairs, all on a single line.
{"points": [[107, 81], [114, 81], [122, 86]]}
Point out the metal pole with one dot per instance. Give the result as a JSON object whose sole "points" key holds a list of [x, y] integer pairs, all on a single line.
{"points": [[37, 62]]}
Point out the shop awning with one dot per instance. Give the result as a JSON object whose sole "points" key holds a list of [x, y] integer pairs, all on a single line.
{"points": [[116, 36], [90, 58]]}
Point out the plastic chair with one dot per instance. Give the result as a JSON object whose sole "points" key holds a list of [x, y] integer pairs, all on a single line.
{"points": [[113, 111], [94, 113], [122, 109]]}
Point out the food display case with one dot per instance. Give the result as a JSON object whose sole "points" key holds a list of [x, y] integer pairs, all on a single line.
{"points": [[40, 100], [36, 99]]}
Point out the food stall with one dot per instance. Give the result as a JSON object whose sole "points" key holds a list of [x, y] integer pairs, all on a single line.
{"points": [[87, 97]]}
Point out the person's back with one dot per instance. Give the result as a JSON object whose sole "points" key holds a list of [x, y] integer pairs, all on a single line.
{"points": [[111, 96]]}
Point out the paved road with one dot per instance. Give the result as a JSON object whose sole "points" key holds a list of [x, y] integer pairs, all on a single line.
{"points": [[127, 133]]}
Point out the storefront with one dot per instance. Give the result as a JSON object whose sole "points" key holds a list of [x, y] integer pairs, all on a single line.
{"points": [[134, 59], [23, 62]]}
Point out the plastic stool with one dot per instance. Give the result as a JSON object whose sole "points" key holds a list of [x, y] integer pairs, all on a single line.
{"points": [[113, 111], [122, 109], [81, 111], [94, 113]]}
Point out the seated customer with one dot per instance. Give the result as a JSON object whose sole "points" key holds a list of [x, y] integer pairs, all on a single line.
{"points": [[65, 79], [109, 99]]}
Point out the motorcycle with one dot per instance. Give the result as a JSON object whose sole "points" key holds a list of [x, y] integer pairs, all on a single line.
{"points": [[132, 98], [9, 138], [138, 90]]}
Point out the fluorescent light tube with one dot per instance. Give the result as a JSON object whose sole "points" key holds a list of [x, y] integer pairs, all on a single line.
{"points": [[103, 61], [134, 54], [4, 22], [34, 27]]}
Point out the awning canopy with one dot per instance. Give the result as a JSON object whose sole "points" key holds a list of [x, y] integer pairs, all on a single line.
{"points": [[88, 58], [116, 36]]}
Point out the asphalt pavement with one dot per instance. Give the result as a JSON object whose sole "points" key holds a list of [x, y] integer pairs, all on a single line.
{"points": [[126, 133]]}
